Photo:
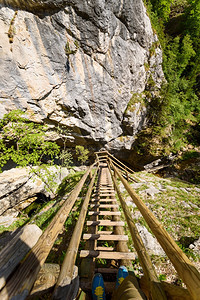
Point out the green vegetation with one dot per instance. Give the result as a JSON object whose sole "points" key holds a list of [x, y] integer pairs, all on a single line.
{"points": [[176, 206], [41, 214], [69, 51], [174, 114], [26, 144], [82, 154], [136, 98], [11, 30]]}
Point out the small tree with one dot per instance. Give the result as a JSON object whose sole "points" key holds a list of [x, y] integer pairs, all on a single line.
{"points": [[23, 142], [82, 154]]}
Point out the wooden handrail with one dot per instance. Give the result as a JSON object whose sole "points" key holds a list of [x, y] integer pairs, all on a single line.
{"points": [[123, 167], [126, 168], [155, 289], [184, 267], [67, 268], [125, 172], [23, 278], [113, 157]]}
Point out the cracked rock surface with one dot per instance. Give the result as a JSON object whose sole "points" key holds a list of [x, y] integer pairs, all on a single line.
{"points": [[19, 185], [78, 63]]}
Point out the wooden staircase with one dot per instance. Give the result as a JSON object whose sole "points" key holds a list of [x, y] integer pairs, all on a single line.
{"points": [[105, 239], [104, 225]]}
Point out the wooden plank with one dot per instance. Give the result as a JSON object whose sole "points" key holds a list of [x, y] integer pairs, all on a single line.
{"points": [[107, 195], [108, 200], [104, 237], [16, 249], [68, 265], [184, 267], [45, 281], [105, 223], [104, 201], [104, 205], [99, 248], [21, 281], [106, 270], [104, 213], [107, 255], [104, 195], [109, 206], [105, 189], [94, 205], [104, 232]]}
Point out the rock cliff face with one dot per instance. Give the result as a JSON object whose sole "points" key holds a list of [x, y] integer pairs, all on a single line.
{"points": [[78, 63]]}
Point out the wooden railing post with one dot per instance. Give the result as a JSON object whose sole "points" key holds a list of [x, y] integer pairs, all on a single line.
{"points": [[65, 277], [22, 280], [127, 177], [184, 267], [154, 287]]}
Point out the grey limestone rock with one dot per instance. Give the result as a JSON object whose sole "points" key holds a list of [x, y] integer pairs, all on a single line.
{"points": [[149, 241], [18, 184], [151, 191], [77, 63], [195, 246]]}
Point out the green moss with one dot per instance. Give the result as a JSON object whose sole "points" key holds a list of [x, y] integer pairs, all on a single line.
{"points": [[152, 50], [146, 66], [69, 51], [136, 98]]}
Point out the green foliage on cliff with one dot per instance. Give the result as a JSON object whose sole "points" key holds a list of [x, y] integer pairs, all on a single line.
{"points": [[82, 154], [23, 141], [174, 115]]}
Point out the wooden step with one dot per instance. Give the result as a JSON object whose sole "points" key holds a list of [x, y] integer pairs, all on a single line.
{"points": [[94, 205], [108, 200], [106, 270], [105, 232], [105, 237], [107, 254], [104, 200], [105, 223], [104, 195], [104, 213], [107, 191], [104, 189], [108, 206], [99, 248], [104, 205]]}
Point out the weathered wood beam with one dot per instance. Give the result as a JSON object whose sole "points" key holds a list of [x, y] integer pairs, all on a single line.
{"points": [[22, 280], [184, 267], [16, 249], [155, 290], [66, 273]]}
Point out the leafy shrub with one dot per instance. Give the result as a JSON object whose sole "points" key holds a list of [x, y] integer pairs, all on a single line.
{"points": [[82, 154]]}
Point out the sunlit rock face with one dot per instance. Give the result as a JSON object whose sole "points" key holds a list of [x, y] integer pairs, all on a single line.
{"points": [[78, 63]]}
